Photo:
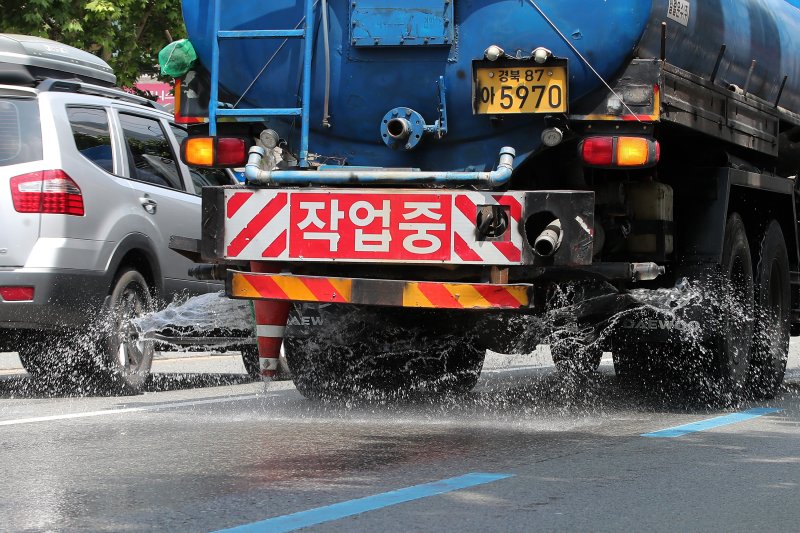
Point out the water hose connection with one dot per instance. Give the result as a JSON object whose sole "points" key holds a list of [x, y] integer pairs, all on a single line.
{"points": [[490, 179]]}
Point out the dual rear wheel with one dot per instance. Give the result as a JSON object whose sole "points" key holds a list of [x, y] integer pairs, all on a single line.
{"points": [[376, 353], [742, 311]]}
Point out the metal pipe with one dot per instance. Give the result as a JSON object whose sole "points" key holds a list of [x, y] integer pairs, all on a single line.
{"points": [[308, 54], [214, 96], [326, 117], [399, 129], [494, 178], [548, 241], [207, 272]]}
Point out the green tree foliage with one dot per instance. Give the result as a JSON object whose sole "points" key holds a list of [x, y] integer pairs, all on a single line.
{"points": [[126, 33]]}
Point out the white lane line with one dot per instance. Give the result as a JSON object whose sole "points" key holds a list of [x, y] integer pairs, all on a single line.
{"points": [[516, 368], [107, 412]]}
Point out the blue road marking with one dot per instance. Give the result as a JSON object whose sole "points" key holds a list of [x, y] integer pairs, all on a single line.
{"points": [[336, 511], [711, 423]]}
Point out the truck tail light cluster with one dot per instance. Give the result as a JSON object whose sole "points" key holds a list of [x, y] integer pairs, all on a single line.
{"points": [[47, 191], [623, 152], [214, 151]]}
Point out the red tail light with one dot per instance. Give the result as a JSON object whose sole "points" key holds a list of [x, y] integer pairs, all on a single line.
{"points": [[46, 191], [16, 294], [598, 151], [231, 152]]}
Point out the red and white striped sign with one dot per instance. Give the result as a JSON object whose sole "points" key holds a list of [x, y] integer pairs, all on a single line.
{"points": [[407, 226]]}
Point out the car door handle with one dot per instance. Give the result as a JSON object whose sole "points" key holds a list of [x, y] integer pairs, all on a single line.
{"points": [[149, 204]]}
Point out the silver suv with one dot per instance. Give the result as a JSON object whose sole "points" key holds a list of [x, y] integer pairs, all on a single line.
{"points": [[91, 189]]}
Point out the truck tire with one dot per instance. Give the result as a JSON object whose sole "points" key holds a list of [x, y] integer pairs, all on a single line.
{"points": [[572, 357], [121, 360], [770, 348], [370, 352], [710, 359], [721, 360], [640, 364]]}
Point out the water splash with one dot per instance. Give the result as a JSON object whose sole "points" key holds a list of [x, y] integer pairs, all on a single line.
{"points": [[212, 314]]}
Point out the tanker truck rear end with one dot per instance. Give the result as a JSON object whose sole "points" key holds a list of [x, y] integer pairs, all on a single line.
{"points": [[426, 176]]}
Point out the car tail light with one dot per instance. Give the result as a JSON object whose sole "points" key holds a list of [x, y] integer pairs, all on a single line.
{"points": [[214, 151], [627, 152], [16, 294], [46, 191]]}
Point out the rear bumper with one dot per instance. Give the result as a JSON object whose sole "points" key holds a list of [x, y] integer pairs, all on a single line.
{"points": [[62, 298], [393, 293], [425, 294]]}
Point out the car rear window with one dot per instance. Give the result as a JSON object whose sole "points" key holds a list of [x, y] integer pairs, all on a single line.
{"points": [[20, 131]]}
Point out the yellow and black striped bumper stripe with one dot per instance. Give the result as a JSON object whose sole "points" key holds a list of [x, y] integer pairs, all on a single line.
{"points": [[396, 293]]}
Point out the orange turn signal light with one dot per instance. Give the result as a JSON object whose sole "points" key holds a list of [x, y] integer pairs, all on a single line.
{"points": [[615, 152], [198, 151], [214, 151], [633, 151]]}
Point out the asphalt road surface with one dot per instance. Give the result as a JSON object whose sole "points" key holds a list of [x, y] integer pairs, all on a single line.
{"points": [[206, 449]]}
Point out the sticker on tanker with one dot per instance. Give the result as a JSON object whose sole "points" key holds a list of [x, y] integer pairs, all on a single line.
{"points": [[678, 10], [368, 226]]}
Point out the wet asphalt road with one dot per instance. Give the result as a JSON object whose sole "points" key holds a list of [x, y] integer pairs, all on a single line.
{"points": [[206, 449]]}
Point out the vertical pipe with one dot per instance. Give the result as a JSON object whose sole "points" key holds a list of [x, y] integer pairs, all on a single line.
{"points": [[780, 91], [719, 61], [271, 319], [749, 76], [212, 102], [307, 57]]}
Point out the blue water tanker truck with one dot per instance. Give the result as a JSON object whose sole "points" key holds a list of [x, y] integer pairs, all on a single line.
{"points": [[429, 179]]}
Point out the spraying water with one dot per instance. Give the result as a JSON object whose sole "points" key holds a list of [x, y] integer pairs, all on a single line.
{"points": [[569, 324], [203, 315]]}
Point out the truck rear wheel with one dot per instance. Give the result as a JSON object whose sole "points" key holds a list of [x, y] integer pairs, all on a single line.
{"points": [[706, 350], [770, 348], [721, 358], [639, 363], [572, 357], [371, 352]]}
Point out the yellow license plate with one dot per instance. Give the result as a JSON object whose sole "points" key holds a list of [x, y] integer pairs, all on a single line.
{"points": [[503, 90]]}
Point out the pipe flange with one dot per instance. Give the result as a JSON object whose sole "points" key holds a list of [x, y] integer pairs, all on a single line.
{"points": [[402, 128]]}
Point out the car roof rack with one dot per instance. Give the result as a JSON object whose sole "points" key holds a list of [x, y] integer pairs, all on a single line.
{"points": [[56, 85]]}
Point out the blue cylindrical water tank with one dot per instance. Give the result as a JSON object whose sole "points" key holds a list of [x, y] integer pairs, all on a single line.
{"points": [[366, 82]]}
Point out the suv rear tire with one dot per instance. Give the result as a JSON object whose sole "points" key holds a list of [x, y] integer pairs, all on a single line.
{"points": [[122, 357]]}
